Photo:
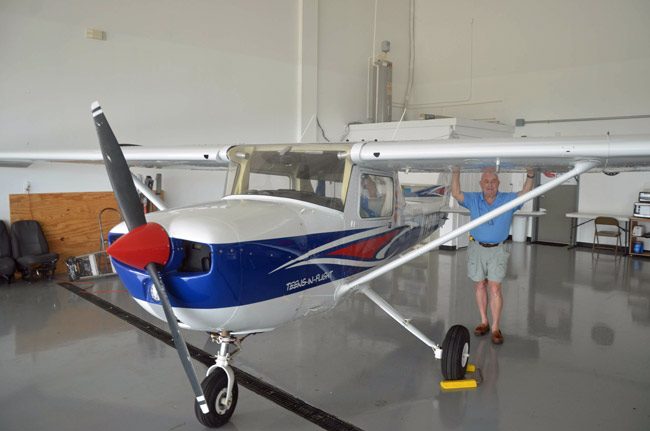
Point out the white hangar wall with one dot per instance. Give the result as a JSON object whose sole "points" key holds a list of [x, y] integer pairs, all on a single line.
{"points": [[169, 73], [493, 61]]}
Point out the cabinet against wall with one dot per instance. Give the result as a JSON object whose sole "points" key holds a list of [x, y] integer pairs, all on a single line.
{"points": [[645, 222]]}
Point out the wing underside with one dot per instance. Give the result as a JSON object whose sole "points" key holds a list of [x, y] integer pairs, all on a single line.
{"points": [[620, 153]]}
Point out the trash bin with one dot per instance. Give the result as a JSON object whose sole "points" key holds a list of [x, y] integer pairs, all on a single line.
{"points": [[646, 244], [519, 228]]}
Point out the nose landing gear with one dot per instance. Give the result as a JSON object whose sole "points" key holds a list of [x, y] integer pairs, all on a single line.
{"points": [[219, 386]]}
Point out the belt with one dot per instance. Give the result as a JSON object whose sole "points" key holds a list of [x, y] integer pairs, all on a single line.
{"points": [[485, 244]]}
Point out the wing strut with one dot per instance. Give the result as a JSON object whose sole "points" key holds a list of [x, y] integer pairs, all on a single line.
{"points": [[149, 194], [361, 283], [406, 323]]}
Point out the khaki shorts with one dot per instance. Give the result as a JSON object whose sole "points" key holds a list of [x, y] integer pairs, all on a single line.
{"points": [[487, 262]]}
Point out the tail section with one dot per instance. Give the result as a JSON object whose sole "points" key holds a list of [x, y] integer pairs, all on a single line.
{"points": [[424, 191]]}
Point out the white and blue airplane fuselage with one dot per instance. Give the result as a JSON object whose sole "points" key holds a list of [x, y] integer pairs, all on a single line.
{"points": [[258, 258]]}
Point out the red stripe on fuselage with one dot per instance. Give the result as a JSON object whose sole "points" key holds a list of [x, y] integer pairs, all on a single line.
{"points": [[366, 248]]}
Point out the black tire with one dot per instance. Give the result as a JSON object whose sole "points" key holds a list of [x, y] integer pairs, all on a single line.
{"points": [[454, 348], [214, 388]]}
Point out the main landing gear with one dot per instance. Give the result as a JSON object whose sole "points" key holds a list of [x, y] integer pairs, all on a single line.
{"points": [[219, 386], [454, 352]]}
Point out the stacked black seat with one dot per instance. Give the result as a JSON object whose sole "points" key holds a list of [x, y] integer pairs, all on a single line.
{"points": [[7, 262], [31, 251]]}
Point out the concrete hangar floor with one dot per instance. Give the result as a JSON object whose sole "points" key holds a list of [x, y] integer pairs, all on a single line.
{"points": [[576, 355]]}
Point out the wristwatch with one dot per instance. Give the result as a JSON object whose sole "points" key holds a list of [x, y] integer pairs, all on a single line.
{"points": [[530, 176]]}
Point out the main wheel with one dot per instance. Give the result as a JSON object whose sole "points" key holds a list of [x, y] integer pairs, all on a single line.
{"points": [[215, 387], [455, 353]]}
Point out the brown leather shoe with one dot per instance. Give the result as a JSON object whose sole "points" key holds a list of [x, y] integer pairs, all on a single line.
{"points": [[497, 337], [481, 329]]}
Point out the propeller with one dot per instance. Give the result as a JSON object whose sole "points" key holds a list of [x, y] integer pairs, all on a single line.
{"points": [[146, 246]]}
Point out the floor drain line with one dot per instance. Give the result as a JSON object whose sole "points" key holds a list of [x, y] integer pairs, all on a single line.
{"points": [[250, 382]]}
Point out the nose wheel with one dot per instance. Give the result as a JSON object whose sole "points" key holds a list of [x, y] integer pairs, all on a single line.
{"points": [[215, 388], [220, 386], [455, 353]]}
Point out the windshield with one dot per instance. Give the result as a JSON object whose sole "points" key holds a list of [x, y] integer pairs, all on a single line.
{"points": [[310, 173]]}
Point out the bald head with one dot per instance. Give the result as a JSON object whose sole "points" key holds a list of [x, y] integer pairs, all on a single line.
{"points": [[489, 172], [489, 184]]}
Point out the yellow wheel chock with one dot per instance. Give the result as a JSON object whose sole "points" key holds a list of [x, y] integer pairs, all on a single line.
{"points": [[462, 384]]}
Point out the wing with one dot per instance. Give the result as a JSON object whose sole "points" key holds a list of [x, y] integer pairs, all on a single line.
{"points": [[613, 153], [192, 157]]}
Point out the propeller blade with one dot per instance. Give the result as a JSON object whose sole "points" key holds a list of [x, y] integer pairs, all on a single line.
{"points": [[118, 171], [179, 342], [147, 244]]}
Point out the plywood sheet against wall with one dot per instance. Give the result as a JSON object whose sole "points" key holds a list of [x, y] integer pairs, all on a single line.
{"points": [[69, 220]]}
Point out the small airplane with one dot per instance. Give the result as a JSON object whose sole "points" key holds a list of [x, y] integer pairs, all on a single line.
{"points": [[301, 227]]}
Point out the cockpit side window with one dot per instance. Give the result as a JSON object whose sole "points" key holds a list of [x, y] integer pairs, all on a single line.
{"points": [[376, 197]]}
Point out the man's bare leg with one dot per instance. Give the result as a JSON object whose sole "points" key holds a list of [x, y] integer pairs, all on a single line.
{"points": [[480, 289], [496, 305]]}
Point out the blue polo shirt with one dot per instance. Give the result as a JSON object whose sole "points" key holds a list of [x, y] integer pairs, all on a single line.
{"points": [[497, 229]]}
